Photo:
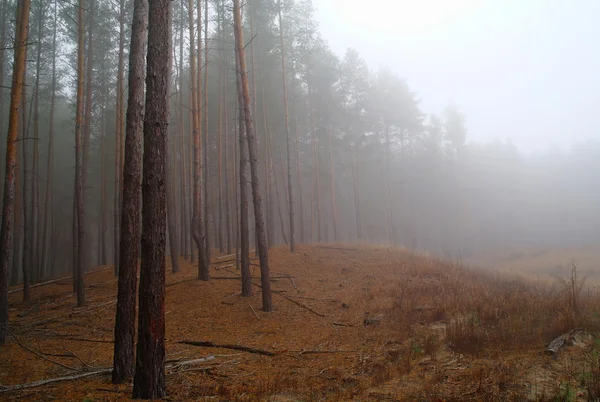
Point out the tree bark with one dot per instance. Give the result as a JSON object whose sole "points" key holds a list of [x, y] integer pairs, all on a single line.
{"points": [[130, 219], [11, 161], [287, 134], [251, 140], [149, 381]]}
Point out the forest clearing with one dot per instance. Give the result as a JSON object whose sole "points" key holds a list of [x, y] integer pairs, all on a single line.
{"points": [[350, 322]]}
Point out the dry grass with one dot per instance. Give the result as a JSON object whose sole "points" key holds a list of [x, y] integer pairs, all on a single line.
{"points": [[438, 330]]}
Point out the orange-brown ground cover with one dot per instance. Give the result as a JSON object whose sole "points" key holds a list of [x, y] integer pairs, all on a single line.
{"points": [[438, 332]]}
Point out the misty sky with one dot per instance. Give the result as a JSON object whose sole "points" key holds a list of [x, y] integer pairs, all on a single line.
{"points": [[527, 70]]}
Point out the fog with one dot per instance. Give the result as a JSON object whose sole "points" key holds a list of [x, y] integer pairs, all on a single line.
{"points": [[449, 127], [526, 71]]}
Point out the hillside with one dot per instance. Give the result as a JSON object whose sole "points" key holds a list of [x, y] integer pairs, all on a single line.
{"points": [[350, 323], [543, 262]]}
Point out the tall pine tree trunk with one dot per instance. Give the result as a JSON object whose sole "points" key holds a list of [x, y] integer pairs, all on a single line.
{"points": [[206, 197], [149, 381], [299, 174], [171, 205], [25, 266], [316, 176], [119, 136], [197, 221], [251, 140], [130, 221], [287, 135], [87, 126], [50, 161], [6, 246], [80, 246], [243, 179], [35, 221], [332, 187]]}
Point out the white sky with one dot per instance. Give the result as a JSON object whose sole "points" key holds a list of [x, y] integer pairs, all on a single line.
{"points": [[524, 70]]}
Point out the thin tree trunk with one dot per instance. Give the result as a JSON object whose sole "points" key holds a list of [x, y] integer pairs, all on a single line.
{"points": [[50, 163], [277, 191], [11, 161], [119, 135], [18, 212], [355, 177], [243, 179], [220, 137], [35, 226], [183, 169], [25, 266], [207, 202], [197, 221], [227, 215], [332, 187], [104, 178], [299, 174], [251, 140], [80, 247], [287, 134], [87, 127], [268, 157], [388, 195], [149, 381], [169, 182], [315, 163], [173, 243], [130, 220]]}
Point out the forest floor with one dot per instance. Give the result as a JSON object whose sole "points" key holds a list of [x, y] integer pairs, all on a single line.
{"points": [[351, 322]]}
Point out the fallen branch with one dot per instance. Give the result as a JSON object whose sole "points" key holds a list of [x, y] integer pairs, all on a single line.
{"points": [[311, 298], [39, 354], [20, 289], [85, 340], [341, 324], [338, 248], [207, 344], [256, 315], [181, 281], [315, 352], [300, 304], [229, 256], [254, 277], [52, 380], [190, 362]]}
